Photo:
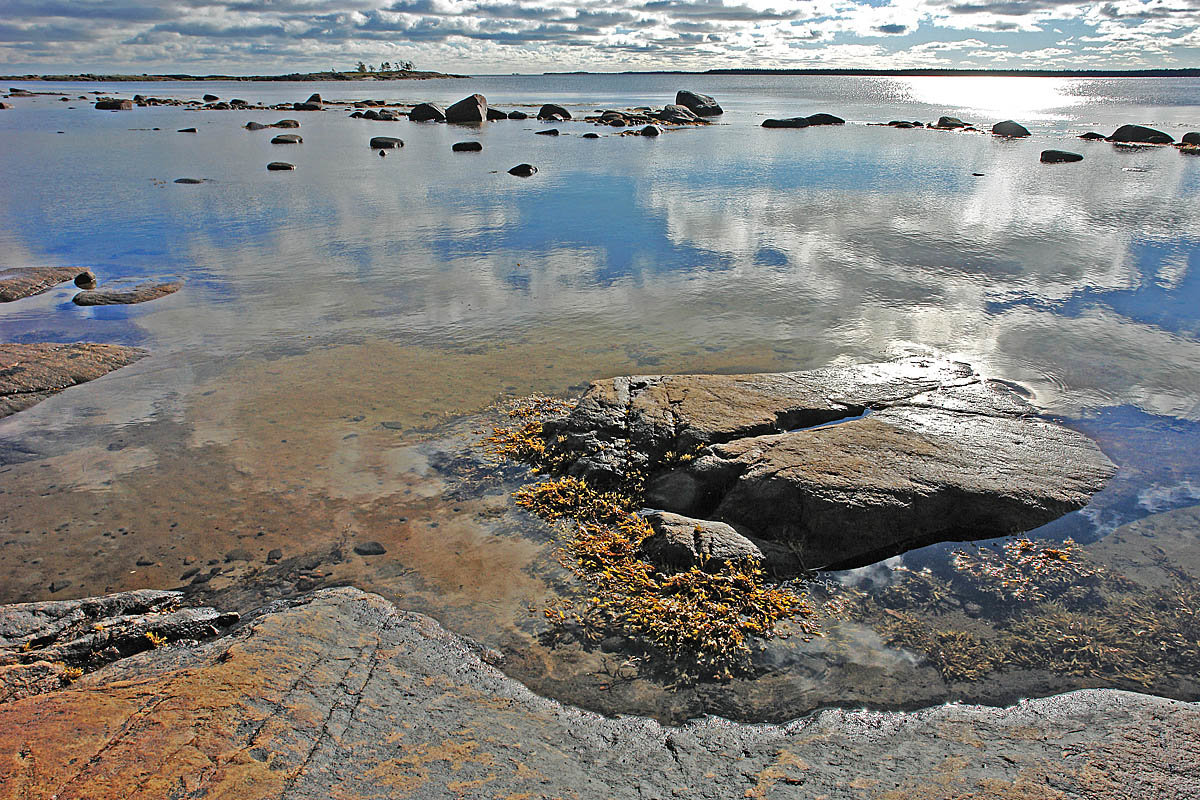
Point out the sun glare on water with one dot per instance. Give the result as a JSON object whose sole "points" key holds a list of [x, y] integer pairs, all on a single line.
{"points": [[997, 96]]}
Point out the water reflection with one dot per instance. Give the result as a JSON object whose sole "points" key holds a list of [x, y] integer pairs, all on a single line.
{"points": [[995, 97]]}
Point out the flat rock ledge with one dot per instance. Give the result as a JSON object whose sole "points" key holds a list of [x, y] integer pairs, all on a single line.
{"points": [[841, 466], [343, 695], [19, 282], [30, 373], [141, 293]]}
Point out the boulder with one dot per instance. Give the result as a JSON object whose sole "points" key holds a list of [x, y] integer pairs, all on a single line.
{"points": [[286, 123], [468, 110], [680, 542], [1091, 136], [523, 170], [255, 126], [315, 99], [210, 98], [494, 114], [6, 106], [590, 136], [371, 548], [824, 119], [287, 138], [280, 166], [186, 130], [1191, 139], [189, 180], [466, 147], [111, 104], [427, 112], [141, 293], [30, 373], [385, 143], [22, 282], [924, 450], [1011, 129], [552, 111], [700, 104], [949, 123], [547, 132], [673, 114], [790, 122], [1059, 157], [1140, 134], [517, 115], [650, 130]]}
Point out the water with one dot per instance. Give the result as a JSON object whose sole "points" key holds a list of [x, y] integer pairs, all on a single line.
{"points": [[322, 375]]}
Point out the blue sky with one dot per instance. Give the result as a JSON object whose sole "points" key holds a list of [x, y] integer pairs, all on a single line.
{"points": [[478, 36]]}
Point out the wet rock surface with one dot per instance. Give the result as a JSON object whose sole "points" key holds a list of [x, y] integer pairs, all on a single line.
{"points": [[30, 373], [141, 293], [701, 105], [1059, 157], [342, 693], [926, 451], [22, 282]]}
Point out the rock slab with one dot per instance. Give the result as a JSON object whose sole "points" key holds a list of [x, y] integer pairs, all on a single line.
{"points": [[141, 293], [30, 373], [22, 282]]}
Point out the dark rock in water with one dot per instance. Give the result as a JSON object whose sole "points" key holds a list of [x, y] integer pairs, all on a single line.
{"points": [[1140, 134], [189, 180], [494, 114], [141, 293], [370, 549], [547, 132], [1011, 129], [700, 104], [1091, 136], [280, 166], [523, 170], [286, 123], [255, 126], [673, 114], [466, 147], [681, 542], [287, 138], [385, 142], [85, 280], [900, 123], [307, 107], [517, 115], [427, 112], [468, 110], [30, 373], [790, 122], [210, 98], [111, 104], [27, 281], [238, 102], [943, 455], [1059, 157], [186, 130], [650, 130], [5, 106], [1191, 139], [315, 99], [552, 111], [591, 136], [949, 123], [340, 694], [824, 119], [356, 115]]}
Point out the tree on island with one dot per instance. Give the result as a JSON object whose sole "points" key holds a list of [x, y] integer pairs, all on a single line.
{"points": [[369, 69]]}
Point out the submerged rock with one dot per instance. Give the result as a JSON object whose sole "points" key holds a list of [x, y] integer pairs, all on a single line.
{"points": [[1011, 129], [468, 110], [552, 111], [189, 180], [523, 170], [280, 166], [1059, 157], [517, 115], [141, 293], [790, 122], [1091, 136], [286, 123], [547, 132], [824, 119], [700, 104], [287, 138], [20, 282], [111, 104], [385, 143], [466, 147], [1140, 134], [30, 373], [255, 126], [941, 454], [427, 112]]}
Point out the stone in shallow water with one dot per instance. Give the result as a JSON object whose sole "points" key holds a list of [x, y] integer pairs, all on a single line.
{"points": [[30, 373], [22, 282], [141, 293], [926, 451]]}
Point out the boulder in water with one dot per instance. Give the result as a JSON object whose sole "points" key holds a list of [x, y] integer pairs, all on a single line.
{"points": [[427, 112], [1059, 157], [468, 110], [1013, 130], [701, 105], [1140, 134]]}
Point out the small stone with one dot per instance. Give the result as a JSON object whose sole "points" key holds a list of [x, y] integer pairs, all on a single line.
{"points": [[466, 147], [275, 556], [371, 548], [278, 166], [523, 170], [548, 132], [1059, 157], [287, 138]]}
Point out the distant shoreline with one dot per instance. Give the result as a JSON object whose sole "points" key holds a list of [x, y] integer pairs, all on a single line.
{"points": [[297, 77], [1191, 72]]}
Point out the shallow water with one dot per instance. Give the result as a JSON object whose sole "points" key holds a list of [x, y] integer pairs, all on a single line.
{"points": [[320, 377]]}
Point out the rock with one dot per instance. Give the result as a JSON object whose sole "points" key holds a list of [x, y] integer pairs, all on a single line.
{"points": [[468, 110], [824, 119], [141, 293], [275, 556], [650, 130], [672, 114], [255, 126], [949, 123], [85, 280], [1059, 157], [314, 99], [1009, 128], [495, 114], [210, 98], [307, 107], [287, 138], [552, 111], [523, 170], [1140, 134], [1191, 139], [341, 694], [111, 104], [143, 561], [700, 104], [30, 373], [285, 123], [591, 136], [240, 554], [20, 282], [466, 147], [189, 180], [280, 166], [680, 542], [790, 122], [1091, 136], [385, 143], [186, 130], [427, 112], [370, 549], [940, 455], [517, 115], [547, 132]]}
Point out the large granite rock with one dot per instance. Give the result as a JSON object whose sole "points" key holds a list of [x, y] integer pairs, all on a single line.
{"points": [[30, 373], [427, 112], [468, 110], [925, 451], [21, 282], [343, 695], [1013, 130], [700, 104], [1139, 134]]}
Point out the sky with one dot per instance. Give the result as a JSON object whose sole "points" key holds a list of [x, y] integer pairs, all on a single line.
{"points": [[242, 37]]}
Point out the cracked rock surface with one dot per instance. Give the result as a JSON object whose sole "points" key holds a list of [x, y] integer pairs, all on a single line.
{"points": [[844, 466], [30, 373], [343, 695]]}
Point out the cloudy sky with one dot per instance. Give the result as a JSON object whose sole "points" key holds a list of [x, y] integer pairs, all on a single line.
{"points": [[482, 36]]}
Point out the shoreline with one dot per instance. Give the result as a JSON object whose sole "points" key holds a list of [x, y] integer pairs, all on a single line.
{"points": [[293, 77]]}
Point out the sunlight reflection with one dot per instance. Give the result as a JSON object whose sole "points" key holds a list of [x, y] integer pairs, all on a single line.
{"points": [[1031, 98]]}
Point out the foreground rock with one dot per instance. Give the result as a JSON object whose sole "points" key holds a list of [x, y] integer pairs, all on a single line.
{"points": [[469, 110], [804, 122], [523, 170], [1139, 134], [1059, 157], [699, 104], [427, 112], [112, 104], [925, 451], [1013, 130], [343, 695], [30, 373], [141, 293], [20, 282], [385, 143]]}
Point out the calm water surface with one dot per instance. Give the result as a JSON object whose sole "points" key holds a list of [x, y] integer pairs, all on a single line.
{"points": [[322, 375]]}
